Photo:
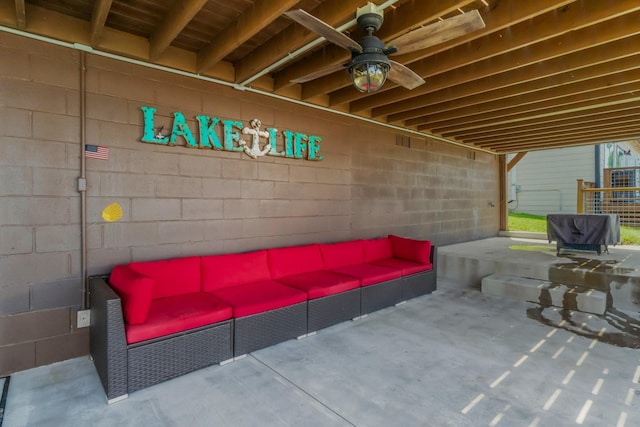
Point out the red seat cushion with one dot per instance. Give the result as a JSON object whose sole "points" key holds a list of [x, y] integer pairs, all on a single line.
{"points": [[341, 254], [135, 291], [377, 249], [179, 313], [410, 249], [318, 284], [175, 276], [258, 297], [221, 271], [370, 274], [407, 267], [294, 260]]}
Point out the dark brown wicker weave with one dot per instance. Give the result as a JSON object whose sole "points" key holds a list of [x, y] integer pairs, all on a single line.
{"points": [[333, 309], [381, 295], [108, 345], [271, 327], [124, 369], [421, 283]]}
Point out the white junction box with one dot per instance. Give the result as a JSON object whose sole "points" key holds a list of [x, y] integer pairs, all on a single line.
{"points": [[84, 318]]}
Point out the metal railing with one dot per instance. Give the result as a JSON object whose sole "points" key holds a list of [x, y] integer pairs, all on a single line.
{"points": [[623, 201]]}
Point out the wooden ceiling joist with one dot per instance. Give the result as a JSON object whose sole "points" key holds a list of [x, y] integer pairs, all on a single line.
{"points": [[541, 74]]}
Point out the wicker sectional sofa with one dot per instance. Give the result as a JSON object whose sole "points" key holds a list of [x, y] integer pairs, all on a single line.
{"points": [[152, 321]]}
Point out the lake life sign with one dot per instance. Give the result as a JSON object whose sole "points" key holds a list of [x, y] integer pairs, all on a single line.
{"points": [[232, 135]]}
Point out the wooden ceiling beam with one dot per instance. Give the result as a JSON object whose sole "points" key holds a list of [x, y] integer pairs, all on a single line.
{"points": [[567, 142], [98, 18], [21, 14], [558, 68], [396, 23], [533, 54], [547, 88], [579, 95], [333, 12], [260, 14], [632, 101], [181, 13], [629, 124], [572, 123]]}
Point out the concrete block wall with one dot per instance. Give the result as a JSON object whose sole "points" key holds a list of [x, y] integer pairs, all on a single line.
{"points": [[180, 201]]}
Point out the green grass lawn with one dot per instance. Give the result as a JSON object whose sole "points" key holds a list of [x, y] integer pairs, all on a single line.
{"points": [[538, 224]]}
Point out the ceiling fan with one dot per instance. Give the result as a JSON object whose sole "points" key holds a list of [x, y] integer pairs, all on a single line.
{"points": [[369, 65]]}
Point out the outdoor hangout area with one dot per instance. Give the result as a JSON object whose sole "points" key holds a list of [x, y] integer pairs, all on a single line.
{"points": [[319, 212]]}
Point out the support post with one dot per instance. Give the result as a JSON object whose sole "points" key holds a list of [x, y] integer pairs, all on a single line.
{"points": [[580, 198]]}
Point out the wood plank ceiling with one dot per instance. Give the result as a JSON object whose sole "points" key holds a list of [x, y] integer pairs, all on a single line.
{"points": [[541, 74]]}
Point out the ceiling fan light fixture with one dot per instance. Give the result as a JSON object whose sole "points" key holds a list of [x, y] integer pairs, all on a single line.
{"points": [[369, 76]]}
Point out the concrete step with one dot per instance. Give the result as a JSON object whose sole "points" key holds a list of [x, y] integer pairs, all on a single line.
{"points": [[545, 293]]}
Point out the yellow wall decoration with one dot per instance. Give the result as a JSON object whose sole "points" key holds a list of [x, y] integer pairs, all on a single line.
{"points": [[112, 213]]}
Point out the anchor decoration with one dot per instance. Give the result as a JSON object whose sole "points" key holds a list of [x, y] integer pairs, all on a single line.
{"points": [[254, 151]]}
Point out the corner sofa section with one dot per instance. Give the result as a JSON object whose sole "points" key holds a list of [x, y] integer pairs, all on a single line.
{"points": [[153, 321]]}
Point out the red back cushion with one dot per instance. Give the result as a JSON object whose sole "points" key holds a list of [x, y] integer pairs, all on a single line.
{"points": [[411, 249], [338, 255], [172, 277], [135, 291], [295, 260], [377, 249], [222, 271]]}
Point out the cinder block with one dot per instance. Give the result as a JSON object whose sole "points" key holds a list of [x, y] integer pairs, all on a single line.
{"points": [[33, 96], [127, 185], [177, 186], [129, 234], [33, 325], [155, 163], [60, 293], [273, 172], [14, 299], [20, 120], [16, 181], [15, 240], [238, 208], [180, 231], [33, 268], [57, 238], [18, 357], [200, 165], [58, 70], [257, 189], [239, 169], [56, 127], [62, 347], [224, 229], [299, 173], [221, 188], [202, 209], [147, 209]]}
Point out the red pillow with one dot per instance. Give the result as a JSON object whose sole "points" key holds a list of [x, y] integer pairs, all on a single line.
{"points": [[336, 255], [410, 249], [135, 291], [377, 249]]}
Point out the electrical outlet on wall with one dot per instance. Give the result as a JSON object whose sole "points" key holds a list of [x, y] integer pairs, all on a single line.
{"points": [[84, 318]]}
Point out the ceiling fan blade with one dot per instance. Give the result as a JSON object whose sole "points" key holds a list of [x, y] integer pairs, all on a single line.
{"points": [[319, 73], [323, 29], [438, 32], [404, 76]]}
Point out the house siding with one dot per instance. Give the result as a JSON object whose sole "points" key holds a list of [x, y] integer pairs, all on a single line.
{"points": [[547, 180]]}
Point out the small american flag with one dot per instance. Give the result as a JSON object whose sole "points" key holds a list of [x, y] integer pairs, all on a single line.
{"points": [[96, 152]]}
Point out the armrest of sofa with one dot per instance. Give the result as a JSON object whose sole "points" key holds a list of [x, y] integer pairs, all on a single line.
{"points": [[433, 257], [108, 345]]}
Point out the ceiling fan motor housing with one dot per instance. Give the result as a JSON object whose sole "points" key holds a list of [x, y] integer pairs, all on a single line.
{"points": [[369, 17]]}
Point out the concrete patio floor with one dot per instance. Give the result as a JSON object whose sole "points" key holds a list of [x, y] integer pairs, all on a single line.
{"points": [[452, 358]]}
